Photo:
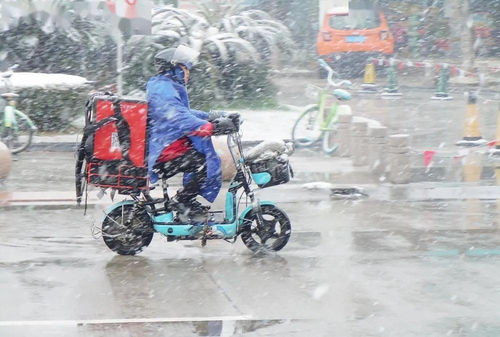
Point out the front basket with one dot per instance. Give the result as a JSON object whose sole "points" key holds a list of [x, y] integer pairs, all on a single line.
{"points": [[271, 172]]}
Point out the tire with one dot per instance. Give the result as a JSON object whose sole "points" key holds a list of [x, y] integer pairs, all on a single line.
{"points": [[329, 145], [252, 236], [23, 137], [131, 238], [306, 130]]}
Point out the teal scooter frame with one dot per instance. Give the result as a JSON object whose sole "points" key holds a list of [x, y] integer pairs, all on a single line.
{"points": [[128, 226]]}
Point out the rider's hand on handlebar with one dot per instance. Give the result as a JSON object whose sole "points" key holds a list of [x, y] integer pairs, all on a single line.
{"points": [[226, 125], [235, 117]]}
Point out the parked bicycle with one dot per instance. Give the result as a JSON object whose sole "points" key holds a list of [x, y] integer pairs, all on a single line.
{"points": [[318, 122], [16, 128]]}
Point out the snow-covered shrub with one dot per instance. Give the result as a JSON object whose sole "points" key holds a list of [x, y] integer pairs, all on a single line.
{"points": [[82, 47], [237, 50], [52, 110], [76, 46]]}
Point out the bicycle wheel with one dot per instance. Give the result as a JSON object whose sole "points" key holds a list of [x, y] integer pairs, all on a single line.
{"points": [[306, 130], [330, 144], [22, 137]]}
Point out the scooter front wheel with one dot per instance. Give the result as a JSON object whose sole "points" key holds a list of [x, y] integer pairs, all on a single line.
{"points": [[127, 229], [269, 231]]}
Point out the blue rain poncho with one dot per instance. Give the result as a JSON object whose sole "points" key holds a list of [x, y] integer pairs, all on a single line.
{"points": [[171, 118]]}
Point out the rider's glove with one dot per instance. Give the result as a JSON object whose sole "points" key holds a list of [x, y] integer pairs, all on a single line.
{"points": [[213, 115], [235, 117], [224, 126]]}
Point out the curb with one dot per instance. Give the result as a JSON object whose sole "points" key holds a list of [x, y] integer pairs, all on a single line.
{"points": [[71, 146], [297, 193]]}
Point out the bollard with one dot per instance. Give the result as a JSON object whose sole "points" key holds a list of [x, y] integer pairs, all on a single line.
{"points": [[443, 84], [497, 174], [377, 150], [359, 141], [227, 164], [496, 151], [344, 134], [5, 161], [392, 89], [472, 134], [369, 78], [472, 167], [399, 159]]}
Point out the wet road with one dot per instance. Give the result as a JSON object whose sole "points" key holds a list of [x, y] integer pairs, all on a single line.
{"points": [[352, 268]]}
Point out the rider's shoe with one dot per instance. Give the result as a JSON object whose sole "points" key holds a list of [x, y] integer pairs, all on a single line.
{"points": [[190, 209]]}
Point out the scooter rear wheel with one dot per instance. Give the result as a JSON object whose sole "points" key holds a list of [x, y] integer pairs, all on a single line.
{"points": [[127, 229], [272, 235]]}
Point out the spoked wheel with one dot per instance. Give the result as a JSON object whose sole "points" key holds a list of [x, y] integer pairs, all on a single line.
{"points": [[127, 230], [306, 130], [330, 144], [270, 235], [22, 137]]}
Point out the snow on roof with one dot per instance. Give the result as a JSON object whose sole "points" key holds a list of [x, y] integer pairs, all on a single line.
{"points": [[43, 81]]}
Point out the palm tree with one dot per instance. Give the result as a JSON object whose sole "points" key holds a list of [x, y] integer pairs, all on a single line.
{"points": [[235, 47]]}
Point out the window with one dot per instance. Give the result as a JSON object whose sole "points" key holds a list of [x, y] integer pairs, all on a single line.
{"points": [[357, 19], [362, 15]]}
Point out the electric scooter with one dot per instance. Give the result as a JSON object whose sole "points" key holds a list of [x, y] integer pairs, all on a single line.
{"points": [[128, 226]]}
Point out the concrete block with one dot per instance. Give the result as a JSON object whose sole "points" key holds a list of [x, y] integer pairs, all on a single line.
{"points": [[359, 143], [5, 161], [399, 159], [377, 150], [344, 134]]}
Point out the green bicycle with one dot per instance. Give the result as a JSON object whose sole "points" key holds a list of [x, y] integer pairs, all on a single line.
{"points": [[16, 128], [318, 121]]}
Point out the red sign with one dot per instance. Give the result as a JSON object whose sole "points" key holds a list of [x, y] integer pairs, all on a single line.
{"points": [[123, 8]]}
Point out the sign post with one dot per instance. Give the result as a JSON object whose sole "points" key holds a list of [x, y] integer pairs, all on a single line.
{"points": [[127, 18]]}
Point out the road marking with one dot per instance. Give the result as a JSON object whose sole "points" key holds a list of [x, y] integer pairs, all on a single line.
{"points": [[123, 321]]}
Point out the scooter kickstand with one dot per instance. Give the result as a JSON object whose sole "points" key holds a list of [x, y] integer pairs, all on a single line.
{"points": [[206, 229]]}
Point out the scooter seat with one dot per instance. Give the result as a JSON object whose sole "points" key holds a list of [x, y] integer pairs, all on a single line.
{"points": [[267, 149]]}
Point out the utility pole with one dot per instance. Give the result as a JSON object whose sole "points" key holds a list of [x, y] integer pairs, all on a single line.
{"points": [[460, 22], [467, 38]]}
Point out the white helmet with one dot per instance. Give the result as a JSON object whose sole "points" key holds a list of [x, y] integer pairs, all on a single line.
{"points": [[167, 58]]}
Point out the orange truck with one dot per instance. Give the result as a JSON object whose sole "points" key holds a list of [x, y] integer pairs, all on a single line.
{"points": [[347, 40]]}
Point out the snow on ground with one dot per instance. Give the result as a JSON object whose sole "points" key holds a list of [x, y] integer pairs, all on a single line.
{"points": [[42, 81], [258, 125], [267, 124]]}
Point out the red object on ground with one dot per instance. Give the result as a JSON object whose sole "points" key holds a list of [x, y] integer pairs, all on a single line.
{"points": [[428, 155]]}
